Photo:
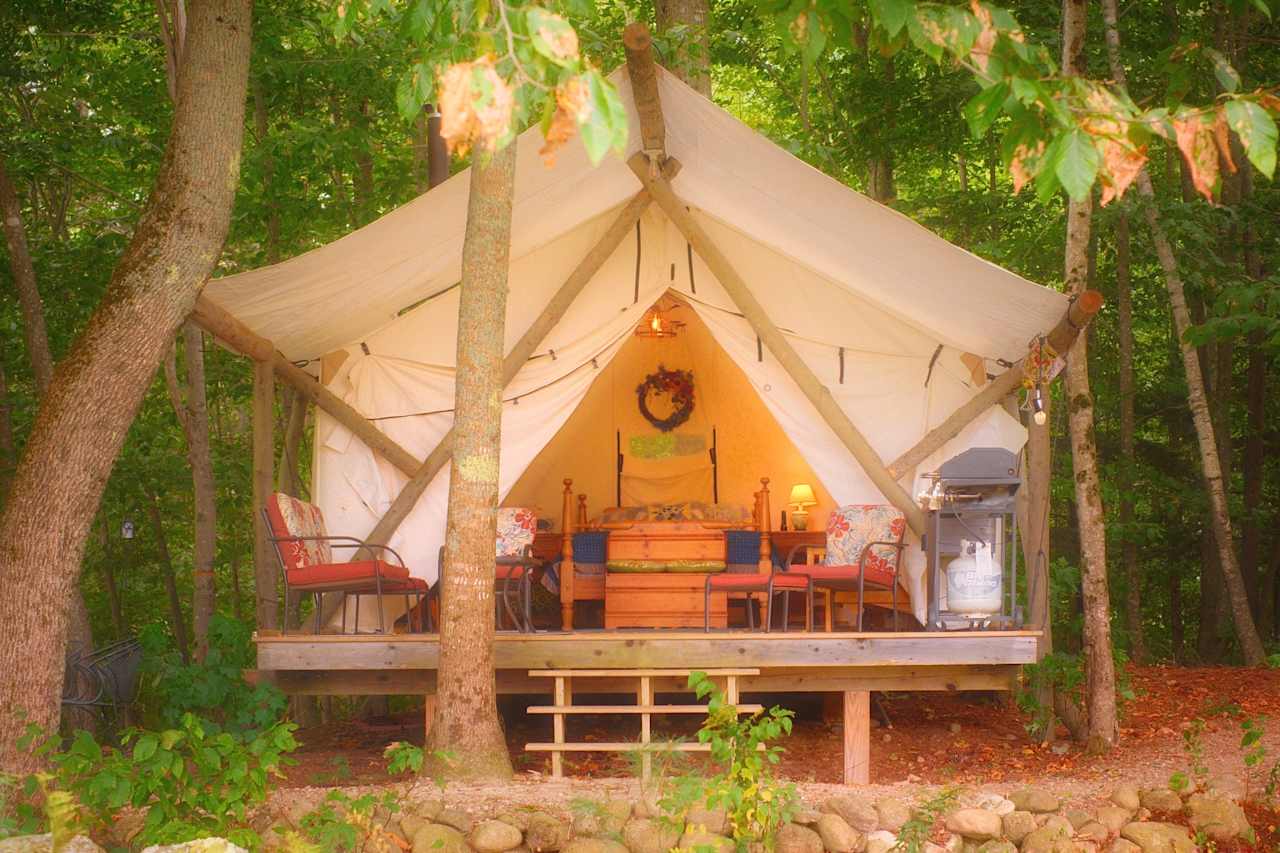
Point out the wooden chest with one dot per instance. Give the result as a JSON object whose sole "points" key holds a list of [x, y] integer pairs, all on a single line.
{"points": [[660, 600]]}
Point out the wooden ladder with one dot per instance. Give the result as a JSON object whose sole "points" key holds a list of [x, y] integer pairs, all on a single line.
{"points": [[563, 706]]}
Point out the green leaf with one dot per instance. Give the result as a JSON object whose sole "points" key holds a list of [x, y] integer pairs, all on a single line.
{"points": [[1227, 76], [552, 36], [892, 15], [1261, 6], [1257, 132], [1077, 167], [145, 747], [984, 108]]}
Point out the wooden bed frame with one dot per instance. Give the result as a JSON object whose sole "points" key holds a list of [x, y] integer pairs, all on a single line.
{"points": [[665, 540]]}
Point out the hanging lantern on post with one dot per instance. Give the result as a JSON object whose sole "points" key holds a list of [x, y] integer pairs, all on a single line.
{"points": [[126, 529]]}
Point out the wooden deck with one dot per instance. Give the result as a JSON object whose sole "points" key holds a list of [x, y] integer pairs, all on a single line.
{"points": [[788, 662]]}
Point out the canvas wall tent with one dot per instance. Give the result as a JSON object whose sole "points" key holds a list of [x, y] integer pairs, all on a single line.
{"points": [[838, 273]]}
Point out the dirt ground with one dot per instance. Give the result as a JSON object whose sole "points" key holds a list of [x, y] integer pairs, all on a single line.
{"points": [[919, 741]]}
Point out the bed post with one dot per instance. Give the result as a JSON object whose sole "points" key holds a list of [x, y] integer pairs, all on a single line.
{"points": [[763, 525], [582, 513], [566, 564]]}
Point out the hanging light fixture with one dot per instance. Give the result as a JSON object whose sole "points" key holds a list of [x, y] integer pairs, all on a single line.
{"points": [[657, 324]]}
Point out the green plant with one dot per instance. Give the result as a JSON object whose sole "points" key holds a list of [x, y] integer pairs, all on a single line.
{"points": [[19, 814], [1254, 753], [757, 805], [214, 690], [342, 822], [914, 834], [1193, 746], [1063, 673], [190, 782]]}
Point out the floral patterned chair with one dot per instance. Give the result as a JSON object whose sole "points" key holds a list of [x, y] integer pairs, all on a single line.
{"points": [[864, 548], [515, 567], [305, 552]]}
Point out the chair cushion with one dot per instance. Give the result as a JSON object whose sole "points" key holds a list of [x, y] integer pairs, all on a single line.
{"points": [[659, 566], [756, 582], [511, 571], [360, 574], [292, 517], [850, 528], [879, 573], [516, 528]]}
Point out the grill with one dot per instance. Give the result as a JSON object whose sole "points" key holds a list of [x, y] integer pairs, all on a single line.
{"points": [[972, 541]]}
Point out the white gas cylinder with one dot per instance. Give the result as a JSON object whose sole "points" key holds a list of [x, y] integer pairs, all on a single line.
{"points": [[975, 581]]}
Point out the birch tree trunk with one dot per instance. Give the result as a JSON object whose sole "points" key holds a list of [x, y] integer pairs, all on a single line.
{"points": [[1128, 453], [1100, 675], [1246, 631], [98, 387], [466, 720]]}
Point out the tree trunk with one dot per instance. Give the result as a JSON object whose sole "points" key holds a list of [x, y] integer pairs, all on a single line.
{"points": [[1246, 630], [1128, 452], [466, 721], [237, 596], [100, 384], [1100, 676], [1255, 447], [170, 578], [692, 60], [109, 581], [8, 452], [288, 478], [1177, 632], [24, 279]]}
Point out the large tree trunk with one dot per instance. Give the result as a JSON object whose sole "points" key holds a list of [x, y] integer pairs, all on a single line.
{"points": [[24, 279], [1128, 453], [191, 407], [8, 451], [1100, 675], [692, 62], [1246, 630], [466, 721], [98, 387]]}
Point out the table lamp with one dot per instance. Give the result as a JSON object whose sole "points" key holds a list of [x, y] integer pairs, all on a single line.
{"points": [[802, 497]]}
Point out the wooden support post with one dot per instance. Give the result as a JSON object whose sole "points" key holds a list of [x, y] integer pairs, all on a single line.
{"points": [[429, 703], [222, 325], [857, 737], [566, 564], [563, 698], [646, 728], [1079, 314], [766, 547], [643, 71], [799, 371], [265, 569]]}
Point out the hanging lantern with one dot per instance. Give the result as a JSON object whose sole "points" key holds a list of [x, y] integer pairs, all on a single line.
{"points": [[126, 529], [658, 324]]}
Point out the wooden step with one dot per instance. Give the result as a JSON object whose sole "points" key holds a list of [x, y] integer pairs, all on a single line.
{"points": [[682, 746], [634, 673], [633, 709]]}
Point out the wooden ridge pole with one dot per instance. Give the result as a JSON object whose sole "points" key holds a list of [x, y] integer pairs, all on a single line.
{"points": [[800, 372], [422, 475], [643, 71], [222, 325], [1079, 314]]}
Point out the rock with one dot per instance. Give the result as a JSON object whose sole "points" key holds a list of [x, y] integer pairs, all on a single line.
{"points": [[975, 824], [519, 818], [881, 841], [1049, 839], [647, 805], [428, 810], [806, 816], [649, 835], [857, 812], [794, 838], [838, 836], [955, 728], [1127, 798], [601, 819], [1077, 817], [1018, 825], [545, 833], [715, 821], [1060, 824], [84, 844], [1034, 800], [1218, 818], [456, 818], [1160, 800], [953, 844], [411, 823], [699, 840], [997, 846], [200, 845], [1156, 837], [892, 814], [1124, 845], [1113, 817], [439, 838], [592, 845], [1093, 831], [27, 844], [494, 836]]}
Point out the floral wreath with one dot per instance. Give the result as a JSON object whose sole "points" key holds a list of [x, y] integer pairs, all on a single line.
{"points": [[678, 384]]}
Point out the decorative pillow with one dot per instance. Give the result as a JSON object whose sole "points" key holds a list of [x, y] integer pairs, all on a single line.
{"points": [[662, 566], [516, 527], [850, 528], [292, 517]]}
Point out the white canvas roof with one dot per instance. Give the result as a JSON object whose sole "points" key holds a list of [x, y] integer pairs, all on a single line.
{"points": [[836, 271]]}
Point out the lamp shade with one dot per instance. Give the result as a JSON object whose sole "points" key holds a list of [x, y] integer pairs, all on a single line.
{"points": [[802, 495]]}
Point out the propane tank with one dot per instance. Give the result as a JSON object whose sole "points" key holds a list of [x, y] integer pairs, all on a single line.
{"points": [[975, 581]]}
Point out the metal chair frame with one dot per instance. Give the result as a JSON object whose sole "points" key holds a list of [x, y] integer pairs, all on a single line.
{"points": [[523, 619], [858, 583], [760, 583], [110, 685]]}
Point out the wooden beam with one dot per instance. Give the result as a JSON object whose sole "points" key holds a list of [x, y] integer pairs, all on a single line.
{"points": [[422, 475], [1079, 314], [222, 325], [857, 737], [265, 569], [800, 372], [643, 71]]}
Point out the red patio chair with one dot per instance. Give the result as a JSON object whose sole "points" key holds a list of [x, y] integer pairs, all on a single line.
{"points": [[304, 550], [858, 539], [514, 564], [774, 584]]}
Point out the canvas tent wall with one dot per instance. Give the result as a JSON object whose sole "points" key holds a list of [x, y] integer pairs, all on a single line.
{"points": [[835, 270]]}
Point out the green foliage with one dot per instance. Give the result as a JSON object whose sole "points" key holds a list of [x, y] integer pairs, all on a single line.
{"points": [[18, 813], [215, 690], [342, 822], [190, 781], [914, 835], [1064, 673], [757, 804], [1193, 748]]}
